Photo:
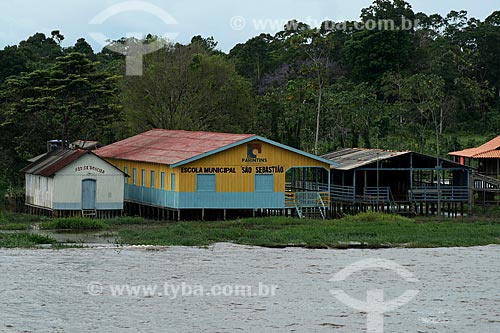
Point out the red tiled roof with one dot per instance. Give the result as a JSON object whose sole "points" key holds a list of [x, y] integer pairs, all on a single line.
{"points": [[488, 154], [487, 150], [54, 161], [168, 146]]}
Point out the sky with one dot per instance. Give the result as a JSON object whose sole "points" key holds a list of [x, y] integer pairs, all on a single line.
{"points": [[229, 21]]}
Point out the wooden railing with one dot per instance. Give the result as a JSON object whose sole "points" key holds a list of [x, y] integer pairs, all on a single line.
{"points": [[376, 194], [445, 193], [342, 193], [306, 186], [290, 200]]}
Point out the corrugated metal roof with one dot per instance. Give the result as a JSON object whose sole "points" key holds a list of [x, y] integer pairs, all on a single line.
{"points": [[487, 150], [54, 161], [168, 146], [352, 158]]}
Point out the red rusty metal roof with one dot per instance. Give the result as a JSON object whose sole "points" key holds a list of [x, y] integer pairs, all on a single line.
{"points": [[168, 146], [488, 150], [53, 161]]}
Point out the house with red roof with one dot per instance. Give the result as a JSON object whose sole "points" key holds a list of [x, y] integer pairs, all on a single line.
{"points": [[197, 174], [486, 181], [74, 182], [487, 157]]}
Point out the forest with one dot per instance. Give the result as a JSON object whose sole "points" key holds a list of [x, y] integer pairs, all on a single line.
{"points": [[433, 87]]}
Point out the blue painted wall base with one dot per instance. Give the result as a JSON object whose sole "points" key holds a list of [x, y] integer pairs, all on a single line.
{"points": [[207, 200]]}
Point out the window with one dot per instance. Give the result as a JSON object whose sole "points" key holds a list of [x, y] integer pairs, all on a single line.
{"points": [[46, 184], [205, 183], [264, 183], [172, 181], [134, 176], [143, 177], [162, 180], [152, 179], [125, 169]]}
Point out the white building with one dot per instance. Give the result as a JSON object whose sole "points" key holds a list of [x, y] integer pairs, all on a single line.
{"points": [[74, 182]]}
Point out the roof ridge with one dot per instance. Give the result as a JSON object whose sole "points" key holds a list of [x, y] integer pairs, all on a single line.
{"points": [[196, 131]]}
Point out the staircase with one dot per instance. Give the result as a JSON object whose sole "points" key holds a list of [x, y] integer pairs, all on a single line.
{"points": [[308, 204], [485, 183], [312, 213], [90, 213]]}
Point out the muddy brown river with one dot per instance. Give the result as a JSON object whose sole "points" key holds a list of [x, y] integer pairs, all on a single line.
{"points": [[231, 288]]}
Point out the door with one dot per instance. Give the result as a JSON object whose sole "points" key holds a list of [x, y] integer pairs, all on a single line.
{"points": [[88, 193]]}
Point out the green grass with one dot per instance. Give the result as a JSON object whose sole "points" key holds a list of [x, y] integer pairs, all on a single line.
{"points": [[14, 226], [82, 224], [23, 239], [22, 218], [129, 220], [73, 223], [370, 230], [10, 221]]}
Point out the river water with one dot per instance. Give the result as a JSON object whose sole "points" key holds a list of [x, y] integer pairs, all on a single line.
{"points": [[78, 290]]}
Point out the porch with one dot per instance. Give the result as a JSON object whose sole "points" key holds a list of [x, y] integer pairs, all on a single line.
{"points": [[398, 182], [307, 192]]}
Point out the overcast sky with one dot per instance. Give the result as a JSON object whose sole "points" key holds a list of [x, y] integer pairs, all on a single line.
{"points": [[229, 21]]}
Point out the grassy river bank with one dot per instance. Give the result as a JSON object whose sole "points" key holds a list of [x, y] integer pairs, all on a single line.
{"points": [[368, 230]]}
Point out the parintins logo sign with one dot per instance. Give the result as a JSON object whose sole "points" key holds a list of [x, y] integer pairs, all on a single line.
{"points": [[254, 152]]}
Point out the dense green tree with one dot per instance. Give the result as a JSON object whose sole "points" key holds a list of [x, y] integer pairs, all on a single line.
{"points": [[256, 57], [351, 114], [69, 101], [184, 87], [386, 43], [81, 46], [12, 62]]}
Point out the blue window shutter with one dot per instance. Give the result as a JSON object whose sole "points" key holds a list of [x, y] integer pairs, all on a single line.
{"points": [[172, 181], [264, 183], [134, 176], [162, 180], [205, 183], [143, 177], [152, 179]]}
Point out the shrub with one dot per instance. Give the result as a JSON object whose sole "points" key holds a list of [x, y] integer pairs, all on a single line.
{"points": [[127, 220], [376, 217], [74, 223]]}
